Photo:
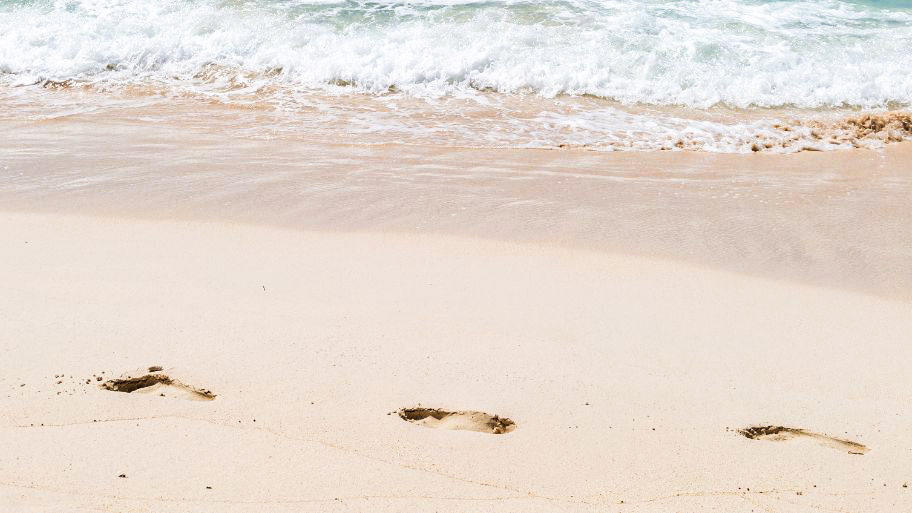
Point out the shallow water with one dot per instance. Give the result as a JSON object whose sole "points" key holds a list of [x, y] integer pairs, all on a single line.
{"points": [[714, 75]]}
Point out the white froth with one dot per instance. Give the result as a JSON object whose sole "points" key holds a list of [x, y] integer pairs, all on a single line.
{"points": [[293, 54], [683, 52]]}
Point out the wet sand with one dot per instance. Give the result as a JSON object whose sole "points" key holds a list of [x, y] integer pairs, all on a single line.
{"points": [[836, 219], [665, 331]]}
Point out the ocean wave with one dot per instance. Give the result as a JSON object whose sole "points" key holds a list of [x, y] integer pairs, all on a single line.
{"points": [[694, 53]]}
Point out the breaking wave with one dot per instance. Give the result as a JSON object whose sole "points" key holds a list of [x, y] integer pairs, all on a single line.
{"points": [[687, 55]]}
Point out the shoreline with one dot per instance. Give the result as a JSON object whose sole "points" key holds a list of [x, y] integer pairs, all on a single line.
{"points": [[838, 218], [481, 120]]}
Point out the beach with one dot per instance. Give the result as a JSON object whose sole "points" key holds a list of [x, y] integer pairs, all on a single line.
{"points": [[314, 306], [626, 256], [834, 218]]}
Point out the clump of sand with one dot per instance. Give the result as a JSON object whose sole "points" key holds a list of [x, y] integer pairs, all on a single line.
{"points": [[865, 131], [889, 127]]}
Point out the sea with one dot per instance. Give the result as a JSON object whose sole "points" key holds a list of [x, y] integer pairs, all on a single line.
{"points": [[731, 76]]}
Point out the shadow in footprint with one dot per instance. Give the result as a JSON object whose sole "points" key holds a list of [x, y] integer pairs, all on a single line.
{"points": [[154, 381], [781, 433], [459, 420]]}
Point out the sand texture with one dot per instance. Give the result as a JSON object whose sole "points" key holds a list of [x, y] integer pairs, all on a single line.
{"points": [[152, 366], [197, 318], [835, 219]]}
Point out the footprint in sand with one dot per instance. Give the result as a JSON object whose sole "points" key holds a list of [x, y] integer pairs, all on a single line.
{"points": [[155, 381], [781, 433], [461, 420]]}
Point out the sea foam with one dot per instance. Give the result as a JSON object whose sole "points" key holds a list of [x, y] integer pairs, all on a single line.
{"points": [[694, 54], [686, 52]]}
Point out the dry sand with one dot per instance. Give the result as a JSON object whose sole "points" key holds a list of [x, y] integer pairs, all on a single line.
{"points": [[627, 378]]}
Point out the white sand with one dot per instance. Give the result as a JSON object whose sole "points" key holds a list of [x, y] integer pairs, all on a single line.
{"points": [[626, 377]]}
